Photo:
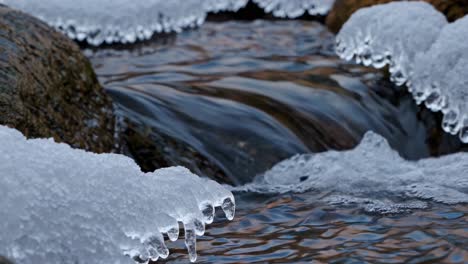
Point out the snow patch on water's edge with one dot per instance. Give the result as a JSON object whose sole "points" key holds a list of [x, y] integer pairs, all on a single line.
{"points": [[63, 205], [372, 176], [121, 21], [423, 51]]}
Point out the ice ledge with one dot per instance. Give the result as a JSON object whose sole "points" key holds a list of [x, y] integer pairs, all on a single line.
{"points": [[63, 205], [422, 50], [122, 21]]}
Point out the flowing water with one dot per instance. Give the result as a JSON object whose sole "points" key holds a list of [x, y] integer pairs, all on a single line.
{"points": [[230, 100]]}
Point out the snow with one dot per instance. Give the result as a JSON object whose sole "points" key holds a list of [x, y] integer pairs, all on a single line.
{"points": [[123, 21], [440, 77], [391, 34], [63, 205], [423, 50], [372, 176], [295, 8]]}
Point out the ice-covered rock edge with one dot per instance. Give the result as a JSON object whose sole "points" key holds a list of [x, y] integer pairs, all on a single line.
{"points": [[372, 176], [63, 205], [423, 51], [122, 21]]}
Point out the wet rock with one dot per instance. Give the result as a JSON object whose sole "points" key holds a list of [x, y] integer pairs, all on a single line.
{"points": [[343, 9], [4, 261], [48, 88]]}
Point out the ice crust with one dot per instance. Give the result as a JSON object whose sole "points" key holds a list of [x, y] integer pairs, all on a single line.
{"points": [[423, 50], [124, 21], [372, 176], [62, 205]]}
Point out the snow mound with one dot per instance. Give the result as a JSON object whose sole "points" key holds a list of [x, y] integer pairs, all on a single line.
{"points": [[423, 51], [123, 21], [440, 78], [372, 176], [62, 205], [391, 34]]}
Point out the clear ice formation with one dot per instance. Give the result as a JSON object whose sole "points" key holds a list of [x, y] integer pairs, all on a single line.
{"points": [[124, 21], [62, 205], [372, 176], [423, 51]]}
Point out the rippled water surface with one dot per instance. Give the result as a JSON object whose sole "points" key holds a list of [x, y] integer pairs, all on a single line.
{"points": [[230, 100], [297, 229]]}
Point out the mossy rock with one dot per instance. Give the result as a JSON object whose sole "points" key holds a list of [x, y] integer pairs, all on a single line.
{"points": [[48, 88], [343, 9]]}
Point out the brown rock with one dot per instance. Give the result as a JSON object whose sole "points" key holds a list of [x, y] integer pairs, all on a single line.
{"points": [[343, 9], [48, 88], [4, 261]]}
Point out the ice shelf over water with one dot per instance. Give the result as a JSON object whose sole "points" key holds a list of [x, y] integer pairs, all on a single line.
{"points": [[124, 21], [423, 51], [62, 205], [440, 77], [391, 34], [372, 176]]}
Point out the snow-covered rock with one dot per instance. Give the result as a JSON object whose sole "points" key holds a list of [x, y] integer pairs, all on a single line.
{"points": [[440, 77], [63, 205], [423, 50], [110, 21], [372, 175], [391, 34]]}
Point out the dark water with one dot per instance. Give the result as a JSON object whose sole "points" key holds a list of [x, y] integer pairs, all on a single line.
{"points": [[231, 99]]}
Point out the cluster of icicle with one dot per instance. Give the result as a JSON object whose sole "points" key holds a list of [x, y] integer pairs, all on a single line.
{"points": [[372, 176], [63, 205], [423, 51], [124, 21]]}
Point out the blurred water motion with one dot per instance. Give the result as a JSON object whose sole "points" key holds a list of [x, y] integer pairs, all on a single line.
{"points": [[230, 100]]}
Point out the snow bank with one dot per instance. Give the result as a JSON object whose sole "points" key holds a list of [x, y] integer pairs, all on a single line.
{"points": [[63, 205], [111, 21]]}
